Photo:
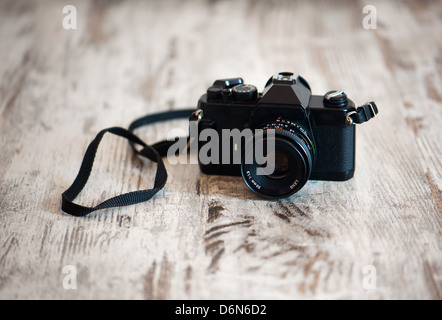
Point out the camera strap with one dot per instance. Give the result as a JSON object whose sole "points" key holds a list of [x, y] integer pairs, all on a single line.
{"points": [[153, 152]]}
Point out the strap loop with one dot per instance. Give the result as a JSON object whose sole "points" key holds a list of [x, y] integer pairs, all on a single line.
{"points": [[362, 114]]}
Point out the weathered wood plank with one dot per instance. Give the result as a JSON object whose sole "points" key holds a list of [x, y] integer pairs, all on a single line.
{"points": [[207, 237]]}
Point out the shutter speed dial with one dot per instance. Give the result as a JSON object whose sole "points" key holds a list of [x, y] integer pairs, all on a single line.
{"points": [[245, 92]]}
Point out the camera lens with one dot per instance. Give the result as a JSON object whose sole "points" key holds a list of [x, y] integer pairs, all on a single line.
{"points": [[282, 165], [292, 159]]}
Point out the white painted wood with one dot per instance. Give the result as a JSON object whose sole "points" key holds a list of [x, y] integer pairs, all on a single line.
{"points": [[207, 237]]}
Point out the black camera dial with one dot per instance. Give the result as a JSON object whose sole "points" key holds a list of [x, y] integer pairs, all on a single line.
{"points": [[245, 92], [214, 92], [335, 99]]}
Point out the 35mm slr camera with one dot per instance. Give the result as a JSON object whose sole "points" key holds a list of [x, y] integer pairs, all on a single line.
{"points": [[314, 134]]}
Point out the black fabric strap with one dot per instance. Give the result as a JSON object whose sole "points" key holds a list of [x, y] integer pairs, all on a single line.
{"points": [[161, 146], [153, 153]]}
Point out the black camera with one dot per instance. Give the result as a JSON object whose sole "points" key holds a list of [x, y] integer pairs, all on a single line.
{"points": [[314, 135]]}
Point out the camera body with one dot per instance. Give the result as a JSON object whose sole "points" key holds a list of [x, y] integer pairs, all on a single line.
{"points": [[311, 130]]}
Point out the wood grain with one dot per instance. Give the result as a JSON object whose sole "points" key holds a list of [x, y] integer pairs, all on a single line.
{"points": [[209, 237]]}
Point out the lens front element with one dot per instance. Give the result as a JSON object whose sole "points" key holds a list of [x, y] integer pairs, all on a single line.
{"points": [[293, 160]]}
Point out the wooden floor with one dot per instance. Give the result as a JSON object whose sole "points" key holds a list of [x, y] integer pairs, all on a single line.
{"points": [[376, 236]]}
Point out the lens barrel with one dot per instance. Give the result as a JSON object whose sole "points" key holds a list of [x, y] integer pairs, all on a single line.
{"points": [[293, 156]]}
